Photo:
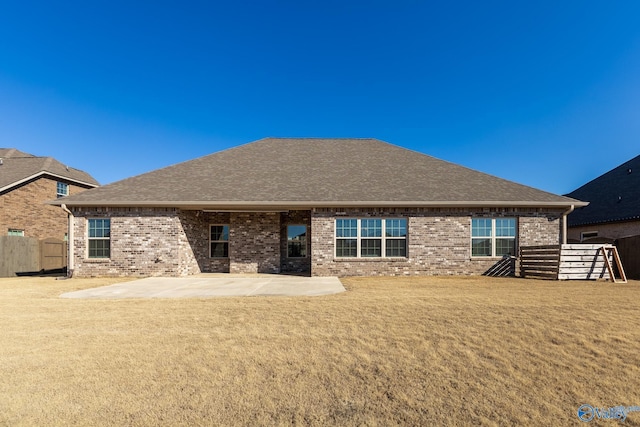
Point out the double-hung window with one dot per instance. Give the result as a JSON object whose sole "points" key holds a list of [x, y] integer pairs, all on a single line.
{"points": [[493, 237], [346, 237], [99, 235], [371, 237], [219, 241], [62, 189], [396, 237]]}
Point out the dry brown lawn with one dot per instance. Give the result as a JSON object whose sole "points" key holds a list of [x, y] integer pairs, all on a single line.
{"points": [[392, 351]]}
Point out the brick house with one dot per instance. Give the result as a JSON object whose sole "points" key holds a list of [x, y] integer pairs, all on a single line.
{"points": [[309, 205], [27, 182], [614, 205]]}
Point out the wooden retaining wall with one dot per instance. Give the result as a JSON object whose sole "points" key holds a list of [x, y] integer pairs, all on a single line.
{"points": [[563, 262]]}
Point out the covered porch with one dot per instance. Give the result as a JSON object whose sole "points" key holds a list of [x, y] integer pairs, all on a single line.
{"points": [[249, 242]]}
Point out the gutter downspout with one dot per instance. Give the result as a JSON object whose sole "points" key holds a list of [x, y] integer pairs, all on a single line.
{"points": [[70, 241], [564, 223]]}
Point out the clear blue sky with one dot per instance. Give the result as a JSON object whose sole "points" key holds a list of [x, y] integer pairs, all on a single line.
{"points": [[545, 93]]}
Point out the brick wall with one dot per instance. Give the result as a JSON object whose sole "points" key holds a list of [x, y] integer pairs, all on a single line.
{"points": [[438, 242], [144, 242], [171, 242], [24, 208], [196, 226], [540, 228]]}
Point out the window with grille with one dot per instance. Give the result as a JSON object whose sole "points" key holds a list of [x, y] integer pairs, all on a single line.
{"points": [[493, 237], [219, 241], [99, 238], [371, 237]]}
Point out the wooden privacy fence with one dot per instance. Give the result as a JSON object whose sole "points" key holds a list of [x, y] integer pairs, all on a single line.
{"points": [[53, 254], [565, 262], [540, 262], [29, 255], [629, 249]]}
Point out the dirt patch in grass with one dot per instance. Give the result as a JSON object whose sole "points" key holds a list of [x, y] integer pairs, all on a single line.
{"points": [[408, 351]]}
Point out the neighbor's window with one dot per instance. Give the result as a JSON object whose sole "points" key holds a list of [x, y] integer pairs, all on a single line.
{"points": [[296, 241], [371, 238], [588, 235], [493, 237], [16, 232], [99, 238], [62, 189], [219, 241]]}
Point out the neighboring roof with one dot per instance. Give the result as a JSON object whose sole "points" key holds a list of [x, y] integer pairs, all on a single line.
{"points": [[12, 153], [18, 167], [314, 172], [614, 196]]}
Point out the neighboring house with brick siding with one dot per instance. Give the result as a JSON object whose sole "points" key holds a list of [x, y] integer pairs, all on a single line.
{"points": [[27, 183], [309, 205], [614, 205]]}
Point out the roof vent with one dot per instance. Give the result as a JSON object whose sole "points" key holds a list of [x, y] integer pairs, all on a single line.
{"points": [[619, 199], [1, 161], [629, 171], [67, 167]]}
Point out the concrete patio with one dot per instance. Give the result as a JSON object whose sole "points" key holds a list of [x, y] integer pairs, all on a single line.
{"points": [[214, 285]]}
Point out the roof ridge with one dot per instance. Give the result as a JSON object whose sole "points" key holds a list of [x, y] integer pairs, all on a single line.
{"points": [[47, 162], [319, 137]]}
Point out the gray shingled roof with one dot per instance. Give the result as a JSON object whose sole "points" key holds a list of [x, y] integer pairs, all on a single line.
{"points": [[18, 167], [315, 172], [613, 196], [6, 153]]}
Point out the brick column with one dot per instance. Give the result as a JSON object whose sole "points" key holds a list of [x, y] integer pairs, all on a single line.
{"points": [[254, 242]]}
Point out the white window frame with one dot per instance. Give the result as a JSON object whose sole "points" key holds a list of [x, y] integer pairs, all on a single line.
{"points": [[101, 238], [66, 189], [15, 232], [359, 238], [304, 245], [493, 238], [219, 241]]}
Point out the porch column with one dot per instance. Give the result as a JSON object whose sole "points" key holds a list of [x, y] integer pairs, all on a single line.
{"points": [[254, 242]]}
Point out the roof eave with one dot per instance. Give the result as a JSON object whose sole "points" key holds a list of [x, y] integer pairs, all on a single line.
{"points": [[604, 221], [292, 205]]}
